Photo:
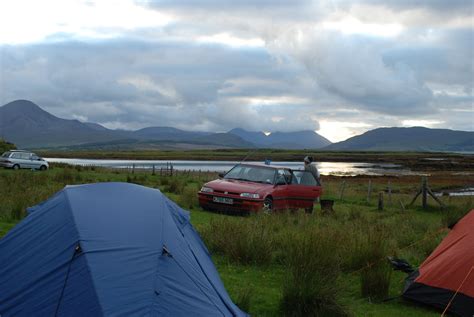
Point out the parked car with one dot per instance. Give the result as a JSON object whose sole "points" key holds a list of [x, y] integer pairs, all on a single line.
{"points": [[255, 187], [17, 159]]}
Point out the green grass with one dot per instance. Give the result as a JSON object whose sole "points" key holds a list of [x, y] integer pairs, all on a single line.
{"points": [[266, 259]]}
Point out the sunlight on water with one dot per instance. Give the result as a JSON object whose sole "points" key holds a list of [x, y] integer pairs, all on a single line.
{"points": [[325, 168]]}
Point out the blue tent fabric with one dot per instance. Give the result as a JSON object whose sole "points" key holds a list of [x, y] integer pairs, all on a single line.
{"points": [[109, 249]]}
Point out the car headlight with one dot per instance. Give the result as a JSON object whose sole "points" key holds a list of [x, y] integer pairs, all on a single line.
{"points": [[250, 195], [206, 189]]}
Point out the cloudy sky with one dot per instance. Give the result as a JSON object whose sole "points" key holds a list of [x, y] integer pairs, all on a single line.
{"points": [[338, 67]]}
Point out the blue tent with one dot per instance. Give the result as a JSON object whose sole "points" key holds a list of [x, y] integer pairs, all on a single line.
{"points": [[109, 249]]}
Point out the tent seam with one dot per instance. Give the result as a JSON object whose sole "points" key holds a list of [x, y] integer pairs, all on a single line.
{"points": [[83, 252]]}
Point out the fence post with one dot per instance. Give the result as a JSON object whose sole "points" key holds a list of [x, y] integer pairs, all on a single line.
{"points": [[343, 186], [380, 204], [171, 169], [153, 171], [369, 191], [133, 168], [424, 192], [389, 193]]}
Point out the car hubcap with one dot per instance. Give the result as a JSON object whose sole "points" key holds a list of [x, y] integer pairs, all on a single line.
{"points": [[267, 206]]}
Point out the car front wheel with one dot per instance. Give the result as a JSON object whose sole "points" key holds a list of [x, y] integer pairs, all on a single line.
{"points": [[16, 167], [43, 168], [268, 205]]}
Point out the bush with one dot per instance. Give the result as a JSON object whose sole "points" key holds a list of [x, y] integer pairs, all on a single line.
{"points": [[242, 240], [176, 186], [65, 176], [369, 256], [18, 212], [189, 199], [313, 267]]}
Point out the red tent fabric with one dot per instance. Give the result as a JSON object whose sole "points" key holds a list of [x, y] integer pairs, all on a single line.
{"points": [[446, 278]]}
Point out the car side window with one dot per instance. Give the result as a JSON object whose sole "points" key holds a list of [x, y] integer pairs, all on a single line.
{"points": [[16, 156], [305, 178]]}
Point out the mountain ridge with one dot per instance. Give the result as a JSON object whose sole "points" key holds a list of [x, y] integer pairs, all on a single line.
{"points": [[408, 139], [29, 126]]}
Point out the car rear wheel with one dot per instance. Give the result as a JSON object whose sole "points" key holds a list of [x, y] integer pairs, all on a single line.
{"points": [[16, 167], [43, 168], [267, 206]]}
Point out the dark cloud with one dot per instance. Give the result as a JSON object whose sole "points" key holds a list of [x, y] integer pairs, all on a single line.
{"points": [[298, 73]]}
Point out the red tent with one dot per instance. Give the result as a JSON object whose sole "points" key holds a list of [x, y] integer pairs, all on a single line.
{"points": [[446, 278]]}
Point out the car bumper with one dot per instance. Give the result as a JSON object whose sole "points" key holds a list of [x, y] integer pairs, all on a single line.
{"points": [[239, 204], [5, 164]]}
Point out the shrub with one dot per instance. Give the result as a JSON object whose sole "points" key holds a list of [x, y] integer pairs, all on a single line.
{"points": [[65, 176], [189, 199], [18, 212], [313, 267], [175, 186], [369, 256], [251, 242]]}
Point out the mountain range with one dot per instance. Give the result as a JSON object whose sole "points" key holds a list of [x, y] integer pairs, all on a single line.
{"points": [[28, 126]]}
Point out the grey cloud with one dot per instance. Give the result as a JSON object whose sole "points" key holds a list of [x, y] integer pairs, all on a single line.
{"points": [[136, 84], [353, 68]]}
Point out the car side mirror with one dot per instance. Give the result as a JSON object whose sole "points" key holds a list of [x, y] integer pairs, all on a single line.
{"points": [[221, 175]]}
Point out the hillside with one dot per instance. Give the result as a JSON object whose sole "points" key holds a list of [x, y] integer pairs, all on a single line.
{"points": [[408, 139], [27, 125], [305, 139]]}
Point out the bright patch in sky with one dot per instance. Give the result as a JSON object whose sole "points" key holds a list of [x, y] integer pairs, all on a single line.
{"points": [[23, 21], [336, 131], [229, 40], [351, 25], [421, 123]]}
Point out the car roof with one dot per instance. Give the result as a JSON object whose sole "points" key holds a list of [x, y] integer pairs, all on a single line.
{"points": [[267, 165], [20, 151]]}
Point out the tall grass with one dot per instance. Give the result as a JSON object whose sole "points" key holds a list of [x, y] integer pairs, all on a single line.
{"points": [[311, 285], [371, 245], [241, 240]]}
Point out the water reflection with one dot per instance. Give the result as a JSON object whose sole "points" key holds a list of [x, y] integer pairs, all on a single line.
{"points": [[326, 168]]}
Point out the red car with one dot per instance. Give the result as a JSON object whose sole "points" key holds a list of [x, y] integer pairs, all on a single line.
{"points": [[254, 187]]}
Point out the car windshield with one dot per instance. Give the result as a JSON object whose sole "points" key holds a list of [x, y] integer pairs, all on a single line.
{"points": [[250, 173], [6, 154]]}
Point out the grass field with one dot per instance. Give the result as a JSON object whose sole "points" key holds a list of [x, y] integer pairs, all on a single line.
{"points": [[291, 264]]}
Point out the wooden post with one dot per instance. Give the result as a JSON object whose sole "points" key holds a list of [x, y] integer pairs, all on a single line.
{"points": [[171, 169], [369, 191], [401, 205], [153, 171], [380, 204], [133, 168], [389, 193], [424, 192], [434, 197], [343, 186]]}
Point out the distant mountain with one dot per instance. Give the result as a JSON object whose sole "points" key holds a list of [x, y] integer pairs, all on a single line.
{"points": [[27, 125], [305, 139], [408, 139], [167, 133]]}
